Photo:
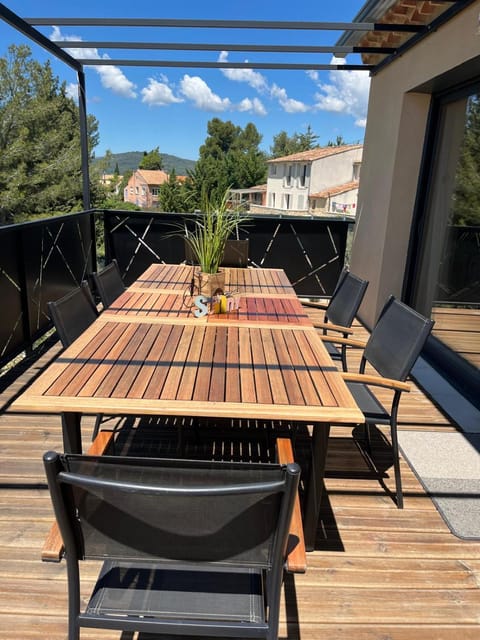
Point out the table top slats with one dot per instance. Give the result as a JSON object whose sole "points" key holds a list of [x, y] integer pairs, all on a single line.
{"points": [[308, 388], [77, 364], [218, 379], [179, 363], [189, 374], [262, 383], [288, 368], [119, 359], [277, 386], [205, 365], [232, 359], [245, 365], [146, 336], [320, 367], [161, 367], [148, 354], [161, 338]]}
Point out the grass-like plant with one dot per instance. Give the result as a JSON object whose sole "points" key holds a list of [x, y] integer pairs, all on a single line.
{"points": [[211, 230]]}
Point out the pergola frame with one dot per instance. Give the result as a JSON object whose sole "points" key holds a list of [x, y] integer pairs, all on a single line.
{"points": [[341, 48]]}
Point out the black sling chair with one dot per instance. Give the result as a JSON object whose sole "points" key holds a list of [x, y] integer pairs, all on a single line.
{"points": [[392, 349], [190, 548], [340, 312], [109, 283]]}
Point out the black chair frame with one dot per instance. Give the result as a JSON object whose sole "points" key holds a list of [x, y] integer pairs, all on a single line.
{"points": [[152, 522], [392, 349]]}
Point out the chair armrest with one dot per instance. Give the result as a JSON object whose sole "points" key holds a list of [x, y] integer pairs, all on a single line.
{"points": [[328, 326], [314, 305], [376, 381], [349, 342], [52, 550], [296, 556]]}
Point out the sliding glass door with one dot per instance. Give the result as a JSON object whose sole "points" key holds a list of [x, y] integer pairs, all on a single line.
{"points": [[446, 282]]}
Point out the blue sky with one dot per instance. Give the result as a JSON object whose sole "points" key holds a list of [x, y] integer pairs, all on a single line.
{"points": [[140, 108]]}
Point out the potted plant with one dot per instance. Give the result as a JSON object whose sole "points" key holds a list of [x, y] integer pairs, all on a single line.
{"points": [[206, 240]]}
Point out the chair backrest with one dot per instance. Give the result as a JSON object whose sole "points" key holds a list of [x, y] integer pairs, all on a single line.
{"points": [[235, 254], [109, 283], [185, 511], [346, 299], [396, 340], [73, 313]]}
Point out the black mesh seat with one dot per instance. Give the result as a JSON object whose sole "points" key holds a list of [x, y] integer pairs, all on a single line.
{"points": [[392, 349], [73, 313], [109, 283], [190, 548], [341, 312]]}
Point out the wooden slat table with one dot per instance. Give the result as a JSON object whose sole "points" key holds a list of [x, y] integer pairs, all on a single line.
{"points": [[148, 355]]}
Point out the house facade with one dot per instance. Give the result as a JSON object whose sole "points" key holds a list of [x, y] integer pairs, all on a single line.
{"points": [[307, 182], [143, 188], [418, 216]]}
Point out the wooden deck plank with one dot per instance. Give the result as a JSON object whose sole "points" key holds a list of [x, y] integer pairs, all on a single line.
{"points": [[375, 556]]}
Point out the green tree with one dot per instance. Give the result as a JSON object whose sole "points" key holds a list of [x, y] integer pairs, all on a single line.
{"points": [[338, 142], [152, 160], [40, 161], [466, 204], [285, 145], [172, 196], [229, 158], [124, 181]]}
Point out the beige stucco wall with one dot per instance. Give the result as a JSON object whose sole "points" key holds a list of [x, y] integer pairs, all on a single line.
{"points": [[394, 138], [321, 174]]}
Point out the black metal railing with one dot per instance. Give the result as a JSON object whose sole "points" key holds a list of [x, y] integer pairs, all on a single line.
{"points": [[310, 250], [42, 260]]}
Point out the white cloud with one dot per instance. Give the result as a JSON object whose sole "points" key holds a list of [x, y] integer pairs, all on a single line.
{"points": [[159, 94], [253, 106], [72, 91], [198, 91], [251, 77], [111, 77], [288, 104], [258, 82], [347, 93]]}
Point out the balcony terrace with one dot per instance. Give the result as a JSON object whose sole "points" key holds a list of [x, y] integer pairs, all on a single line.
{"points": [[377, 572]]}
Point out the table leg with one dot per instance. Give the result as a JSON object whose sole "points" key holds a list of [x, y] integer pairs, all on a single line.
{"points": [[314, 486], [72, 435]]}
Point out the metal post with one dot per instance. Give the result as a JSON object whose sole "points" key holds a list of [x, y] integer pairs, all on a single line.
{"points": [[82, 106]]}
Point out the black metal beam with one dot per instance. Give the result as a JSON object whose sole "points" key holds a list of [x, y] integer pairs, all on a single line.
{"points": [[100, 62], [189, 46], [225, 24], [82, 106], [21, 25]]}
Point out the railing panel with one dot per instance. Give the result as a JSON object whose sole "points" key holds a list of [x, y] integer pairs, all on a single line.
{"points": [[311, 251], [40, 261]]}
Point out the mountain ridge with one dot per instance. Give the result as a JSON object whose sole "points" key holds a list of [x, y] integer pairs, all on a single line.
{"points": [[129, 160]]}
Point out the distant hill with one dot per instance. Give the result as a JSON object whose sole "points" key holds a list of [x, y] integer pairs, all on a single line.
{"points": [[131, 160]]}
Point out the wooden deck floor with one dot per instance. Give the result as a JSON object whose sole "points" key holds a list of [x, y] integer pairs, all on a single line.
{"points": [[378, 573]]}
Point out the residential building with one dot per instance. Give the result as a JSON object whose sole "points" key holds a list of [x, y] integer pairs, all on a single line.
{"points": [[321, 180], [249, 197], [143, 188]]}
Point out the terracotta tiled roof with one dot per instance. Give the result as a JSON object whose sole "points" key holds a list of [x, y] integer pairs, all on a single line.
{"points": [[401, 12], [316, 154], [153, 177], [335, 191]]}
